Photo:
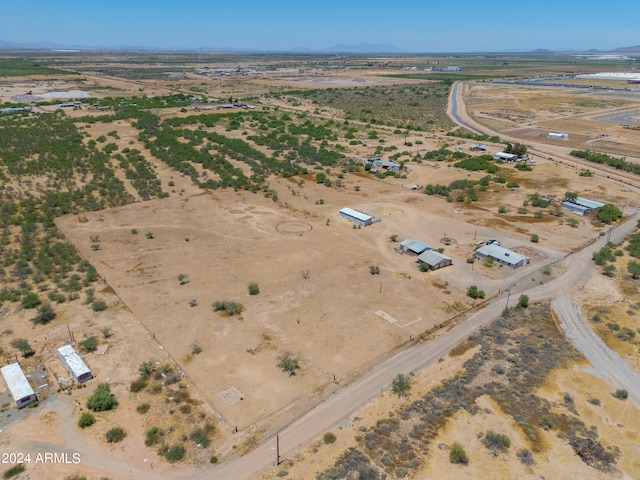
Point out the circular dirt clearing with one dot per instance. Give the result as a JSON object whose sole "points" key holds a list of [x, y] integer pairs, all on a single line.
{"points": [[293, 227]]}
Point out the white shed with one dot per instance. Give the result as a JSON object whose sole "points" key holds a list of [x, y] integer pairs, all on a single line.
{"points": [[74, 364], [18, 385]]}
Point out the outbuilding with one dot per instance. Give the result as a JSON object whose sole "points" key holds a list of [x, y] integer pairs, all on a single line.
{"points": [[413, 246], [586, 203], [559, 136], [506, 157], [573, 207], [18, 385], [502, 255], [76, 366], [474, 147], [356, 216], [435, 260]]}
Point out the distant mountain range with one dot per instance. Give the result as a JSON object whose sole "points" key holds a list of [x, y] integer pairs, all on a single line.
{"points": [[341, 48]]}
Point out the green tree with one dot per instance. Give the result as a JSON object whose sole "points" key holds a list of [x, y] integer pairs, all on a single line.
{"points": [[523, 301], [23, 345], [457, 454], [90, 344], [474, 292], [609, 213], [115, 435], [288, 364], [634, 269], [374, 270], [570, 196], [30, 300], [535, 238], [102, 399], [401, 385], [329, 438]]}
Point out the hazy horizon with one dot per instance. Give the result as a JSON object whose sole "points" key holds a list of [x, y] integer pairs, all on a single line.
{"points": [[410, 26]]}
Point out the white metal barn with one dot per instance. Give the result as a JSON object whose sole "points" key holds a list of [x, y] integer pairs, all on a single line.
{"points": [[74, 364], [356, 216], [18, 385]]}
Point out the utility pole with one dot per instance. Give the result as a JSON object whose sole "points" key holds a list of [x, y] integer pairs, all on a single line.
{"points": [[508, 295], [278, 449]]}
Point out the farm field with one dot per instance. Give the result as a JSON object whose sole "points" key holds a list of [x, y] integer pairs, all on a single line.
{"points": [[165, 198]]}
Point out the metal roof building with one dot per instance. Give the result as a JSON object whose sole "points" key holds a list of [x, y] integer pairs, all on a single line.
{"points": [[356, 216], [507, 157], [585, 202], [74, 364], [18, 385], [574, 207], [434, 259], [413, 246], [502, 256]]}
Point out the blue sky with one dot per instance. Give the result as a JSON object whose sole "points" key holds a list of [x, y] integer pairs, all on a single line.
{"points": [[412, 26]]}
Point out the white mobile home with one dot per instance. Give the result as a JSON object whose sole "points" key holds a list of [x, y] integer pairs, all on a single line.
{"points": [[18, 385], [502, 256], [76, 366]]}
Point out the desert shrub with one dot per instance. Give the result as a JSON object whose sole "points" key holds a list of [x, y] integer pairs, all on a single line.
{"points": [[401, 385], [351, 464], [44, 316], [174, 453], [525, 456], [99, 306], [13, 471], [152, 436], [621, 394], [374, 270], [523, 301], [143, 408], [474, 293], [227, 306], [496, 442], [89, 344], [457, 454], [102, 399], [115, 435], [86, 420], [594, 401], [30, 300], [213, 459], [253, 288], [535, 238], [196, 349], [199, 437], [288, 364], [328, 438], [138, 385]]}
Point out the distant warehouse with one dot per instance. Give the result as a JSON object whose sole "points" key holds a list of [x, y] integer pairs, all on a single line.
{"points": [[74, 364], [356, 216], [502, 256], [18, 385]]}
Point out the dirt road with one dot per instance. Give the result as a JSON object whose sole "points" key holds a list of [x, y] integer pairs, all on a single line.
{"points": [[606, 363]]}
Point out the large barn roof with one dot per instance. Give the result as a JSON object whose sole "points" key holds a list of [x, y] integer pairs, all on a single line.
{"points": [[17, 381], [356, 214]]}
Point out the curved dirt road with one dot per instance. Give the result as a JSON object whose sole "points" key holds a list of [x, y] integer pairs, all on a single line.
{"points": [[606, 363]]}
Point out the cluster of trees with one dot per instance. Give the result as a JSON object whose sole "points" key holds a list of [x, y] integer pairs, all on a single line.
{"points": [[617, 163], [464, 133], [474, 164], [517, 149], [466, 185]]}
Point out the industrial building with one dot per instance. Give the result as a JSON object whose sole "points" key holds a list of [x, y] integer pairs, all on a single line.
{"points": [[435, 260], [356, 216], [413, 246], [502, 255], [18, 385], [76, 366]]}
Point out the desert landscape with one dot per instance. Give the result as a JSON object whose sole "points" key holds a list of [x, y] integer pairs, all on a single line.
{"points": [[178, 223]]}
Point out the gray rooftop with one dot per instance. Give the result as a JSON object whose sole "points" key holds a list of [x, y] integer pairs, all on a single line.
{"points": [[501, 253]]}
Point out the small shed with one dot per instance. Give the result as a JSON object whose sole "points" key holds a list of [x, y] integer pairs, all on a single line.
{"points": [[474, 147], [76, 366], [435, 260], [413, 246], [502, 255], [356, 216], [18, 385]]}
